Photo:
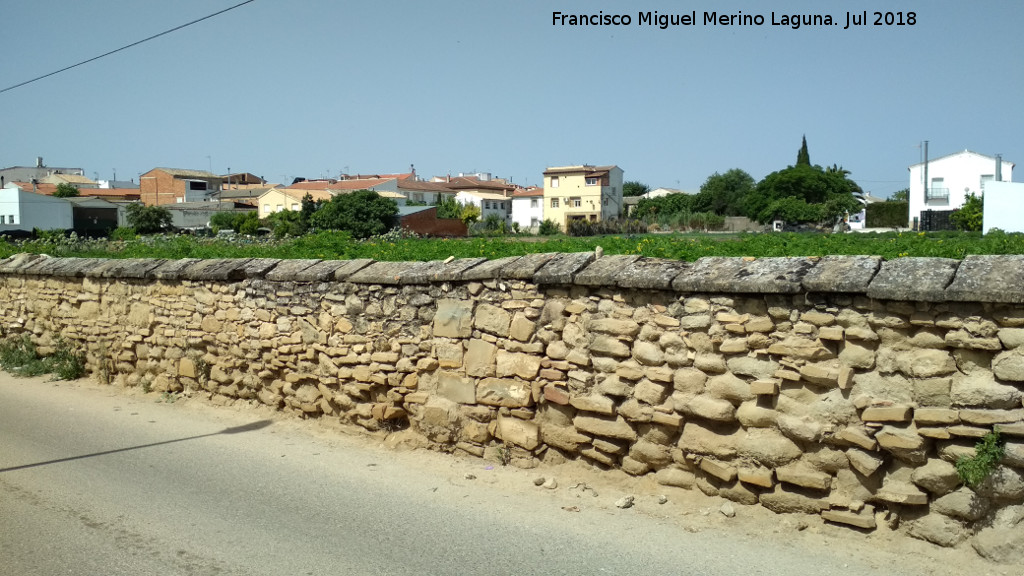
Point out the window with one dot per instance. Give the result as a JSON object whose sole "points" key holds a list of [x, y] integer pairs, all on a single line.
{"points": [[197, 185], [295, 206], [591, 181], [533, 203], [938, 190], [554, 181], [534, 222], [280, 207], [986, 178], [606, 201], [575, 202], [266, 208], [554, 202], [487, 204], [417, 197]]}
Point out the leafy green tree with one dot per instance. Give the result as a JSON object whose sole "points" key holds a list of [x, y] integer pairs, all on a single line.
{"points": [[65, 190], [148, 219], [364, 213], [787, 193], [723, 194], [242, 222], [970, 216], [668, 205], [634, 188], [803, 157], [900, 196]]}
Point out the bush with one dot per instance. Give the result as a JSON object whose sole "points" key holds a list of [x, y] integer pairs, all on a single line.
{"points": [[123, 233], [548, 228], [363, 213], [969, 217], [887, 215], [19, 356], [603, 227], [148, 219], [974, 469]]}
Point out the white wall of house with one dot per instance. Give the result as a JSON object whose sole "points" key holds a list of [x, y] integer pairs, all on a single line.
{"points": [[1004, 207], [950, 179], [26, 210], [488, 204], [528, 211]]}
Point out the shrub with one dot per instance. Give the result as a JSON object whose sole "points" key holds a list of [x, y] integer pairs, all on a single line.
{"points": [[18, 355], [123, 233], [969, 217], [363, 213], [974, 469], [887, 215], [602, 227], [548, 228], [148, 219]]}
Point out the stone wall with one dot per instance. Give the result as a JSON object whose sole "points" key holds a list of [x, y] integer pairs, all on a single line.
{"points": [[845, 387]]}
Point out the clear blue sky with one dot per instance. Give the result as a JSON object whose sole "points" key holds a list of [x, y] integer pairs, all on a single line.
{"points": [[286, 88]]}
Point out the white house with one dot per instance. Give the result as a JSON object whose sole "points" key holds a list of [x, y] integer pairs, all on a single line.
{"points": [[487, 202], [22, 210], [950, 179], [1004, 207], [528, 208]]}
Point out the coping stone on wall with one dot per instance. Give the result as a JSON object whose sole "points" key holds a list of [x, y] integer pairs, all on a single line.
{"points": [[651, 273], [602, 271], [258, 267], [173, 269], [350, 267], [525, 267], [842, 274], [65, 267], [286, 270], [100, 267], [441, 271], [913, 279], [489, 270], [319, 272], [18, 263], [217, 269], [988, 279], [563, 268], [131, 268], [386, 273], [745, 275]]}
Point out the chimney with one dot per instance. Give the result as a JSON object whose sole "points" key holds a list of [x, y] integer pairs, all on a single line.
{"points": [[999, 167], [412, 169]]}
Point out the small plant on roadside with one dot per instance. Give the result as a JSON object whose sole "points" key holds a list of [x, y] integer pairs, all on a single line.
{"points": [[169, 397], [66, 363], [18, 355], [973, 470], [505, 454]]}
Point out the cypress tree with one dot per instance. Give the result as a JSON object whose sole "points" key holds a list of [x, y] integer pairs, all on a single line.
{"points": [[803, 158]]}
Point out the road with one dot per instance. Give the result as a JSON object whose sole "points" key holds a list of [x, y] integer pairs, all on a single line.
{"points": [[93, 481]]}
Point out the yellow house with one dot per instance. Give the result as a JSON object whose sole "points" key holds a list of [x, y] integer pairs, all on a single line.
{"points": [[280, 199], [582, 193]]}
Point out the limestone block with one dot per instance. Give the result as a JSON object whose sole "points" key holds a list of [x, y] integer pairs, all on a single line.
{"points": [[799, 428], [614, 327], [670, 420], [764, 387], [522, 328], [594, 403], [648, 353], [751, 415], [729, 387], [653, 393], [891, 413], [938, 530], [1004, 485], [766, 447], [609, 346], [980, 389], [493, 320], [1011, 337], [865, 463], [926, 363], [723, 472], [519, 432], [701, 439], [453, 319], [524, 366], [762, 477], [689, 380], [856, 355], [1009, 365], [674, 477], [979, 417], [964, 339], [707, 407], [733, 346], [936, 416], [758, 367], [897, 492], [892, 438], [709, 363], [865, 521], [650, 453], [802, 475], [504, 392], [480, 358], [605, 426], [782, 501], [824, 374], [454, 387], [963, 504], [563, 437], [800, 347]]}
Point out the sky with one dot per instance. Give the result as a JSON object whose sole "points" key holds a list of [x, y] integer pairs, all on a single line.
{"points": [[315, 88]]}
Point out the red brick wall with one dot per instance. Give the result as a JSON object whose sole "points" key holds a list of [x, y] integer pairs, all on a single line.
{"points": [[157, 187], [426, 223]]}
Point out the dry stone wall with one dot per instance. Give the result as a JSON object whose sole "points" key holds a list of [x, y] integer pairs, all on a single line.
{"points": [[845, 387]]}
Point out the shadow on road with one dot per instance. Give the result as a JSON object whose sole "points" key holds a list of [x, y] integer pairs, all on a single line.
{"points": [[233, 430]]}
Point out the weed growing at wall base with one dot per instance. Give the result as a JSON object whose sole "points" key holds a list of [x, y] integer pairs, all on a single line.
{"points": [[974, 469], [18, 355]]}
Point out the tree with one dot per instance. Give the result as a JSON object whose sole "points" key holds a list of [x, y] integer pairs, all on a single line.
{"points": [[785, 193], [65, 190], [723, 194], [364, 213], [634, 188], [148, 219], [803, 157], [970, 216], [900, 195]]}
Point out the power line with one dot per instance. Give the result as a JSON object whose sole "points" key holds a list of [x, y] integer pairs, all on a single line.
{"points": [[165, 32]]}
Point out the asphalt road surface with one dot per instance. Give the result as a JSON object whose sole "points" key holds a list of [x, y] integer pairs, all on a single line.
{"points": [[94, 482]]}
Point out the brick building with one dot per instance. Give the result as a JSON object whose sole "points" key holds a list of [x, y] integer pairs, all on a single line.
{"points": [[171, 186]]}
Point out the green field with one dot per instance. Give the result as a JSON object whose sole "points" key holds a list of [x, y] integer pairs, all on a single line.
{"points": [[334, 245]]}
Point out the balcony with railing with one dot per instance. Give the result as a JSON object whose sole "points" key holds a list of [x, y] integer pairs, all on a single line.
{"points": [[937, 195]]}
